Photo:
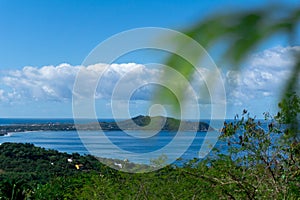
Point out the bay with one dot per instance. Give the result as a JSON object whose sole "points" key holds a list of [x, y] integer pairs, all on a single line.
{"points": [[90, 142]]}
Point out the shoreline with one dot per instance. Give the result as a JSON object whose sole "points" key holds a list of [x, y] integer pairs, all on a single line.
{"points": [[139, 123]]}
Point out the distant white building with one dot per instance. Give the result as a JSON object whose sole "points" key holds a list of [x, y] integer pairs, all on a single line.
{"points": [[119, 165]]}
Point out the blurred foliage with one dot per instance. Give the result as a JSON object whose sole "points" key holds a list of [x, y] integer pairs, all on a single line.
{"points": [[238, 34], [245, 30]]}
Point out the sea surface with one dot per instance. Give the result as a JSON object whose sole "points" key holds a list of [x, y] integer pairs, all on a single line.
{"points": [[116, 144]]}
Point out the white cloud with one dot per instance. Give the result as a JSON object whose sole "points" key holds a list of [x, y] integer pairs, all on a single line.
{"points": [[276, 57], [47, 83], [55, 83], [264, 76]]}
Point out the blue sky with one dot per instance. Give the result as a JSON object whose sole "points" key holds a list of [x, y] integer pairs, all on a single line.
{"points": [[62, 33]]}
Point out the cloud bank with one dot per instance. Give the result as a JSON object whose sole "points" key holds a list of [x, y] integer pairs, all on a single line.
{"points": [[263, 76], [55, 83]]}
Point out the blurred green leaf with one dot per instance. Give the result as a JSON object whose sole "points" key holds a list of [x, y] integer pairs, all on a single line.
{"points": [[240, 33]]}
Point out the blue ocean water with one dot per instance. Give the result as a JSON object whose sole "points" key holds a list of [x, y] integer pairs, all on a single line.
{"points": [[120, 145]]}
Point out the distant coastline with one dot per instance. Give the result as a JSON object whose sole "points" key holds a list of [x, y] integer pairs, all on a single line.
{"points": [[140, 123]]}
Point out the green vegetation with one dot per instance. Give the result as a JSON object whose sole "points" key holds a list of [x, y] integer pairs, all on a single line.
{"points": [[162, 123], [260, 163], [24, 167]]}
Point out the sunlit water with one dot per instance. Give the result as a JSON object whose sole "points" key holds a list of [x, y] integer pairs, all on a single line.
{"points": [[70, 142]]}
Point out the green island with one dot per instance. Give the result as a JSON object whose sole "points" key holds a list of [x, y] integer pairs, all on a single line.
{"points": [[137, 123]]}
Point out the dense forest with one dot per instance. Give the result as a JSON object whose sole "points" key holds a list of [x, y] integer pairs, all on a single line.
{"points": [[260, 164]]}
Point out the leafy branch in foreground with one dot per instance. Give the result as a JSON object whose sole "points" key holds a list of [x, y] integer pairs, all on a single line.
{"points": [[239, 33]]}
